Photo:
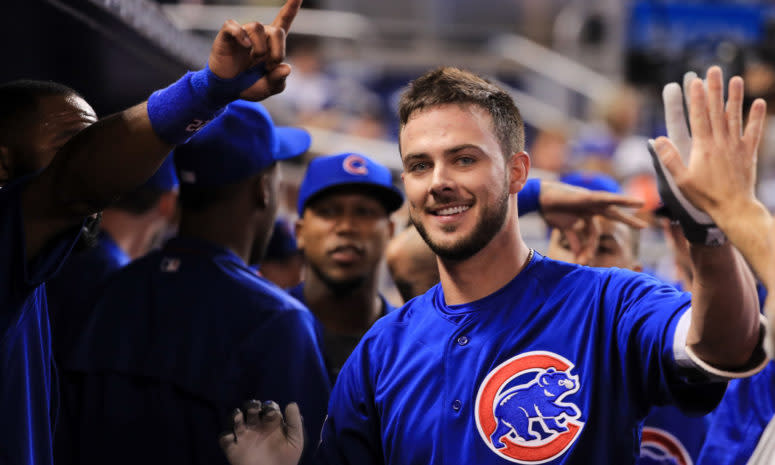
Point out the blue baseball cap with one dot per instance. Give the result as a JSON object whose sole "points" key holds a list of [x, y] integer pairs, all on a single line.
{"points": [[349, 169], [282, 243], [164, 179], [592, 181], [238, 143]]}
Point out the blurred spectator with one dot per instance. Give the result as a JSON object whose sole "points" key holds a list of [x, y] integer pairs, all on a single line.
{"points": [[283, 262], [549, 151]]}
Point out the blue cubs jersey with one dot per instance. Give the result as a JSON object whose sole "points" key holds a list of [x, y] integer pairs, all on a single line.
{"points": [[177, 340], [336, 347], [28, 383], [739, 421], [671, 437], [73, 292], [559, 366]]}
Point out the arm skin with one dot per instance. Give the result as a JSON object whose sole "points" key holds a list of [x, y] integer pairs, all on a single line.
{"points": [[119, 152], [724, 329]]}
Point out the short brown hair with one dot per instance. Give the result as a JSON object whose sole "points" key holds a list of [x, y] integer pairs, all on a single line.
{"points": [[449, 85]]}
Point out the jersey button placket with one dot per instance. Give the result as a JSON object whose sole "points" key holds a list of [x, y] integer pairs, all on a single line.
{"points": [[462, 340], [457, 405]]}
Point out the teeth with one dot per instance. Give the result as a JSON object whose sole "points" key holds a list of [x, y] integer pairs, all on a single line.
{"points": [[452, 210]]}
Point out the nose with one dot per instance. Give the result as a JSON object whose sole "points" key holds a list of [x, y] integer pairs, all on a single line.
{"points": [[441, 181], [345, 224]]}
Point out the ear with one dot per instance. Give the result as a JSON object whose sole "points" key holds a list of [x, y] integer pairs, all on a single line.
{"points": [[167, 206], [6, 166], [297, 229], [518, 167], [262, 189], [391, 228]]}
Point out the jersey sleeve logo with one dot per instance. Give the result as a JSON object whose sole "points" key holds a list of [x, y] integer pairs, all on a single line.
{"points": [[521, 411], [658, 447], [356, 165]]}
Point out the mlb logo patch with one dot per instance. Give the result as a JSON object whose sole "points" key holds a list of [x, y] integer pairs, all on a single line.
{"points": [[170, 264], [521, 411]]}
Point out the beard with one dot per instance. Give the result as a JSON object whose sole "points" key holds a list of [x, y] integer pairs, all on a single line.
{"points": [[488, 224], [339, 287]]}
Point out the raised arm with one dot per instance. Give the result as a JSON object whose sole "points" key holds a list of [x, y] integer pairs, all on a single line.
{"points": [[119, 152], [724, 329]]}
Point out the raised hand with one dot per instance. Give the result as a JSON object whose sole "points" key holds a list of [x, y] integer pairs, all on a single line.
{"points": [[256, 50], [573, 210], [721, 170], [260, 436]]}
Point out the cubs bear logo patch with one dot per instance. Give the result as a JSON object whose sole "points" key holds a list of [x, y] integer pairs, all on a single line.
{"points": [[658, 447], [521, 411]]}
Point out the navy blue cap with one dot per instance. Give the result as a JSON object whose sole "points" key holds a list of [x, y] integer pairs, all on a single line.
{"points": [[282, 243], [164, 179], [592, 181], [237, 144], [349, 169]]}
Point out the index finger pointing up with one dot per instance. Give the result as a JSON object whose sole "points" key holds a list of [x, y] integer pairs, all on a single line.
{"points": [[287, 14]]}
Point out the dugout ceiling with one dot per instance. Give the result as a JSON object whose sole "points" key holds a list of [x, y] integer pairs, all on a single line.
{"points": [[115, 52]]}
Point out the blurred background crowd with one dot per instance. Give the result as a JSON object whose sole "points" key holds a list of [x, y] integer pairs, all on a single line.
{"points": [[586, 74]]}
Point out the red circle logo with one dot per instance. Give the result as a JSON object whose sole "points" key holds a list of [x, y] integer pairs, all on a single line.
{"points": [[520, 409], [355, 164], [657, 446]]}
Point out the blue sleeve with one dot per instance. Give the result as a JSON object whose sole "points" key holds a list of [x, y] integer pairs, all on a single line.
{"points": [[528, 197], [284, 363], [351, 433], [646, 318]]}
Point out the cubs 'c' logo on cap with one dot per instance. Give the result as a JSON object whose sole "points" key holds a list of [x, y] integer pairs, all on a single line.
{"points": [[658, 447], [355, 164], [520, 411]]}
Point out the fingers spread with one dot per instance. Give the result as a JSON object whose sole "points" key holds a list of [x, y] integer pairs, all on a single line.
{"points": [[734, 111], [715, 99], [698, 111], [753, 130], [287, 14]]}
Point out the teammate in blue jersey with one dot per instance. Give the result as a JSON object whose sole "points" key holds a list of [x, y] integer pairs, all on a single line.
{"points": [[128, 230], [515, 357], [742, 430], [190, 331], [95, 162], [668, 436], [344, 225]]}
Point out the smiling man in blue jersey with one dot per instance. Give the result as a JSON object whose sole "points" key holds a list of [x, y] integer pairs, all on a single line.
{"points": [[88, 164], [190, 331], [344, 225], [514, 357]]}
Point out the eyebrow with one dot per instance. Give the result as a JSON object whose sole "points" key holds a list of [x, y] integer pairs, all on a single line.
{"points": [[449, 151]]}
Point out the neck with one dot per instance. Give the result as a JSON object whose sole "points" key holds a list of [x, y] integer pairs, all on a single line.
{"points": [[350, 313], [217, 227], [132, 233], [488, 270]]}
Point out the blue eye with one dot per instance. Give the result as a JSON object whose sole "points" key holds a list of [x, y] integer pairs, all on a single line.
{"points": [[419, 166]]}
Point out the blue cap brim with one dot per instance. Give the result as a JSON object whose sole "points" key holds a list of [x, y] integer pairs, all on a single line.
{"points": [[292, 142]]}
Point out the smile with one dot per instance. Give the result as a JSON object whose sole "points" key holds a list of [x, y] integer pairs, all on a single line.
{"points": [[452, 210]]}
